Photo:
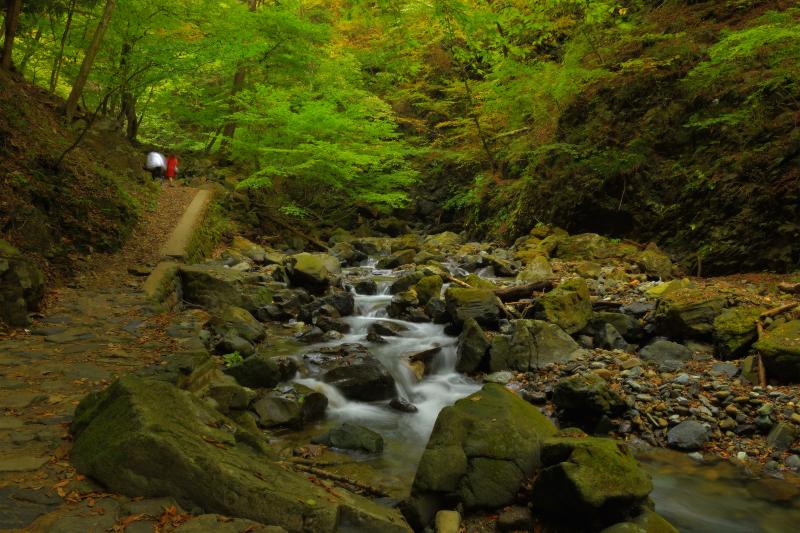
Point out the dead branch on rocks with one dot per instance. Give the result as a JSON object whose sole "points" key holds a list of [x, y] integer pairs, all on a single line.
{"points": [[779, 310], [344, 480], [516, 292]]}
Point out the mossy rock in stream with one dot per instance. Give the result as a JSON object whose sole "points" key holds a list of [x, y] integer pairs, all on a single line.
{"points": [[530, 344], [780, 348], [427, 288], [148, 438], [480, 451], [735, 331], [567, 306], [480, 304], [589, 482], [647, 522]]}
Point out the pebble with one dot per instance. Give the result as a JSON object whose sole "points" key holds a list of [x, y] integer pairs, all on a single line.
{"points": [[696, 456], [793, 462]]}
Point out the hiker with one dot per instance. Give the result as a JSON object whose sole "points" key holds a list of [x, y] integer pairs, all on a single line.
{"points": [[157, 165], [172, 169]]}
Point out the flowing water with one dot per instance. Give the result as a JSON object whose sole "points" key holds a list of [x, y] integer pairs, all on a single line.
{"points": [[695, 497]]}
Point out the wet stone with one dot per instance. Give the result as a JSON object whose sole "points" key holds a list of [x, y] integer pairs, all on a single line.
{"points": [[19, 506], [21, 400], [22, 463], [70, 335]]}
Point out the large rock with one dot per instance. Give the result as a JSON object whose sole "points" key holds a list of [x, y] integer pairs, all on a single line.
{"points": [[530, 344], [647, 522], [584, 246], [398, 258], [662, 351], [628, 326], [291, 405], [249, 249], [354, 371], [473, 347], [149, 438], [780, 348], [567, 306], [214, 287], [481, 450], [688, 435], [480, 304], [352, 437], [442, 242], [263, 371], [589, 482], [688, 313], [313, 271], [21, 286], [584, 400], [427, 288], [239, 321], [654, 262], [537, 270], [735, 331]]}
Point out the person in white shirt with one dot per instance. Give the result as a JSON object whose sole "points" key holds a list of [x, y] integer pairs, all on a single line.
{"points": [[156, 164]]}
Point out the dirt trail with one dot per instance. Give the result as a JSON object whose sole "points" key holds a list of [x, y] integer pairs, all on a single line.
{"points": [[96, 329]]}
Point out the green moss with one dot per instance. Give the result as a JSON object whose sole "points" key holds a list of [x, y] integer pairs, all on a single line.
{"points": [[214, 225], [735, 331], [567, 306]]}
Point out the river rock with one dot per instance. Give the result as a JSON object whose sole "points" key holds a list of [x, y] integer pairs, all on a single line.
{"points": [[735, 331], [589, 482], [359, 376], [262, 371], [530, 344], [607, 337], [352, 437], [584, 400], [405, 306], [567, 306], [688, 313], [387, 328], [654, 262], [442, 243], [583, 246], [628, 326], [21, 286], [537, 270], [473, 348], [780, 348], [214, 287], [149, 438], [782, 436], [480, 451], [689, 435], [249, 249], [315, 272], [239, 321], [647, 522], [293, 405], [515, 518], [662, 351], [406, 282], [447, 522], [427, 288], [366, 286], [398, 259], [480, 304]]}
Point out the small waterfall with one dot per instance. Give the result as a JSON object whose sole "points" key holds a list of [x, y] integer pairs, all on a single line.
{"points": [[441, 387]]}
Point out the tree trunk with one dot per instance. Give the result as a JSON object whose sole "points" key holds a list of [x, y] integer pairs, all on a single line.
{"points": [[127, 98], [88, 60], [13, 8], [60, 56], [238, 84]]}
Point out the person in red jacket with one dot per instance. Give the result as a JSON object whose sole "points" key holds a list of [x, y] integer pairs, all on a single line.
{"points": [[172, 169]]}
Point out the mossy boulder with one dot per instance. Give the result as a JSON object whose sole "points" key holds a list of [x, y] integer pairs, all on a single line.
{"points": [[473, 347], [349, 436], [628, 326], [780, 348], [398, 258], [213, 286], [249, 249], [239, 321], [584, 246], [149, 438], [530, 344], [480, 451], [262, 371], [22, 286], [427, 288], [292, 405], [735, 331], [647, 522], [537, 270], [662, 289], [567, 306], [589, 482], [654, 262], [442, 242], [688, 313], [480, 304], [477, 282], [585, 399], [314, 272]]}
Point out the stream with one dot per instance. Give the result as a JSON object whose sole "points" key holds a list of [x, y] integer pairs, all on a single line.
{"points": [[694, 496]]}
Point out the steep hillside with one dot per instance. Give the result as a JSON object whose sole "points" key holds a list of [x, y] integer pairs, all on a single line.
{"points": [[55, 214]]}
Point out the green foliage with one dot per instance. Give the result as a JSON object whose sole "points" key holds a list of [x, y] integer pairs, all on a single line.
{"points": [[232, 359]]}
